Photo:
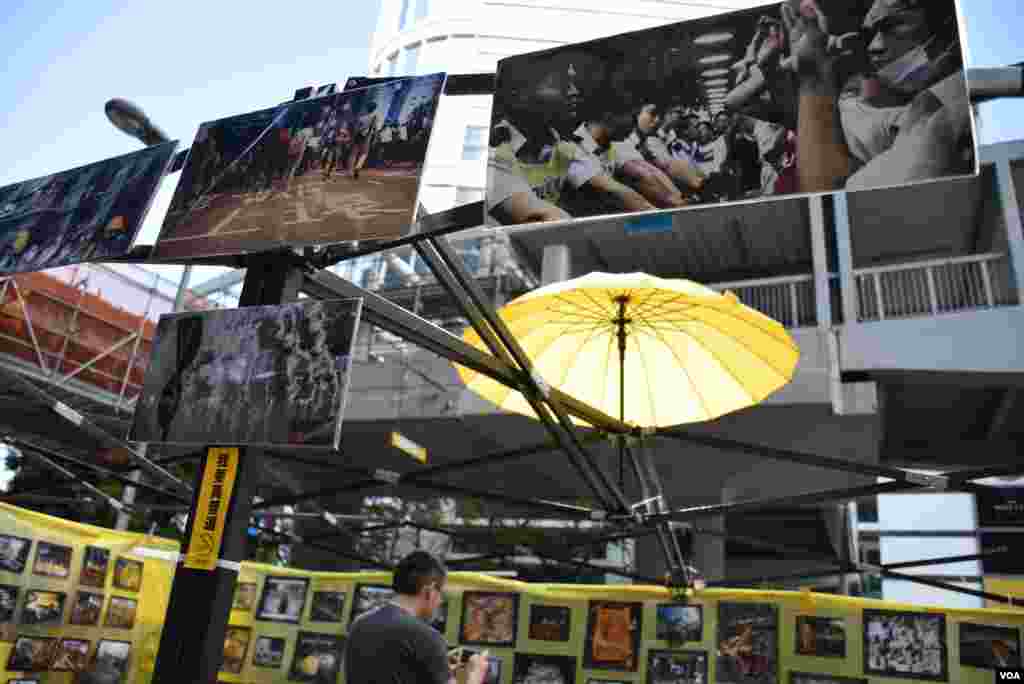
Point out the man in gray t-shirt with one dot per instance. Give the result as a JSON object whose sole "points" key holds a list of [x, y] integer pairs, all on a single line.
{"points": [[395, 644]]}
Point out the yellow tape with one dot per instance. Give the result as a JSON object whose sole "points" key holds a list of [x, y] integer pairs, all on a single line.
{"points": [[212, 508]]}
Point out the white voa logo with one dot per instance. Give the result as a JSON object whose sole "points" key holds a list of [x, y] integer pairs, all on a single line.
{"points": [[1009, 676]]}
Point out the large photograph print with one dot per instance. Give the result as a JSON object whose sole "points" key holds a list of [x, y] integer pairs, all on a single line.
{"points": [[331, 169], [256, 375], [907, 645], [706, 111], [90, 213]]}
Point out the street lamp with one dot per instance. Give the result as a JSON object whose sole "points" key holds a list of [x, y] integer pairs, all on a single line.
{"points": [[131, 120]]}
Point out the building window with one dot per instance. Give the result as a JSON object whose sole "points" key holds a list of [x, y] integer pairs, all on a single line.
{"points": [[475, 142], [403, 15], [468, 195], [422, 7], [412, 57]]}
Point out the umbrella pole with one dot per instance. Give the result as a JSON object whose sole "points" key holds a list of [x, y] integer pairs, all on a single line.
{"points": [[620, 324]]}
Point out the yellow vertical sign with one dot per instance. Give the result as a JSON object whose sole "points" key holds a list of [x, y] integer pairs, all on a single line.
{"points": [[212, 508]]}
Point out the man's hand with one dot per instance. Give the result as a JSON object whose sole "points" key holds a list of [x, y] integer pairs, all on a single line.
{"points": [[807, 30]]}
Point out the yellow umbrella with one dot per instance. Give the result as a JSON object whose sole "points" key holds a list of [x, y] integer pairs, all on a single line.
{"points": [[652, 351]]}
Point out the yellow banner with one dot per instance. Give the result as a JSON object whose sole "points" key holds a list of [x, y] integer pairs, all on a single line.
{"points": [[212, 508]]}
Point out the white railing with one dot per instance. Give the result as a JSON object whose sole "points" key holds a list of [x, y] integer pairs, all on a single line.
{"points": [[928, 288], [789, 299]]}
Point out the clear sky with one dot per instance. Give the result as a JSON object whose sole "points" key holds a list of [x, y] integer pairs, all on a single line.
{"points": [[192, 61]]}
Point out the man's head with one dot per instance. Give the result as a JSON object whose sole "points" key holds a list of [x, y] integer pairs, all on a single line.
{"points": [[648, 118], [705, 133], [905, 37], [420, 579], [722, 121], [689, 127]]}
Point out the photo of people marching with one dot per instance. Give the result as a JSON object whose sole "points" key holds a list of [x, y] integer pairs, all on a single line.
{"points": [[336, 168], [804, 96]]}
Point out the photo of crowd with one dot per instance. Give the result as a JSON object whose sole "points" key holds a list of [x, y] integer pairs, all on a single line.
{"points": [[336, 168], [91, 213], [801, 96], [258, 375], [905, 645]]}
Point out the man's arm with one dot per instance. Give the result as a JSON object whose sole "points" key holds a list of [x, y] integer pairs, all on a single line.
{"points": [[630, 199], [679, 169], [526, 207], [823, 159]]}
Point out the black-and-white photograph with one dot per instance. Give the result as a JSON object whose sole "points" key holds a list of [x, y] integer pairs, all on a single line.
{"points": [[748, 643], [91, 213], [528, 668], [369, 596], [32, 654], [317, 658], [327, 606], [677, 667], [257, 375], [337, 168], [8, 602], [268, 652], [52, 560], [908, 645], [705, 111], [110, 663], [989, 646], [86, 609], [820, 636], [43, 608], [14, 553], [283, 599], [679, 622]]}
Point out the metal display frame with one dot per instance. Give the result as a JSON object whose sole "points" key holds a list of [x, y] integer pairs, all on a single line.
{"points": [[191, 645]]}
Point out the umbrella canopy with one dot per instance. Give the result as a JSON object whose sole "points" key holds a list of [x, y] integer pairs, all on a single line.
{"points": [[651, 351]]}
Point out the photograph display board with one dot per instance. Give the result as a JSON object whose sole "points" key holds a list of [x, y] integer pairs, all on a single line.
{"points": [[90, 213], [909, 645], [256, 375], [337, 168], [706, 111]]}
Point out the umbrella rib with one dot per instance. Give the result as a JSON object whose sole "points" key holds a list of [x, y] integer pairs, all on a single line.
{"points": [[607, 368], [650, 392], [643, 302], [608, 313], [568, 366], [597, 312], [672, 298], [682, 365]]}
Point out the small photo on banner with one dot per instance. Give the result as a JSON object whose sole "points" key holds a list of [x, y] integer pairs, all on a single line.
{"points": [[338, 168], [262, 375], [679, 622], [110, 663], [268, 652], [909, 645], [820, 636], [439, 621], [283, 599], [95, 564], [236, 643], [677, 667], [813, 678], [550, 623], [8, 602], [245, 597], [706, 111], [317, 658], [128, 574], [86, 609], [543, 669], [90, 213], [489, 618], [14, 553], [327, 606], [52, 560], [748, 643], [32, 654], [121, 612], [43, 608], [989, 646], [613, 636]]}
